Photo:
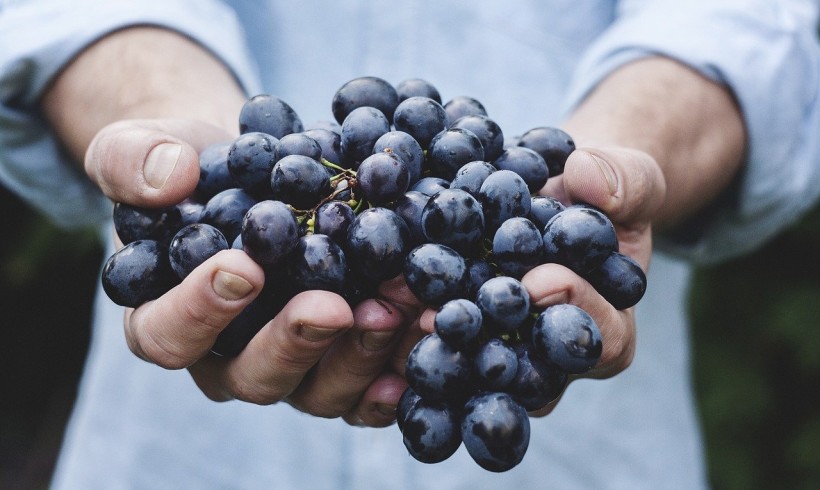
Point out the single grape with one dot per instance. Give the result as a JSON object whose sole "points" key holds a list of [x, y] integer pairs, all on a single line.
{"points": [[137, 273], [364, 92], [471, 175], [619, 279], [526, 163], [269, 232], [580, 238], [193, 245], [300, 181], [250, 161], [318, 263], [431, 431], [409, 207], [454, 218], [553, 144], [190, 211], [479, 271], [495, 364], [417, 87], [405, 147], [407, 401], [383, 178], [360, 131], [138, 223], [214, 176], [463, 105], [503, 195], [450, 149], [458, 322], [298, 144], [435, 273], [543, 209], [226, 210], [437, 372], [430, 186], [496, 431], [377, 244], [517, 247], [566, 336], [420, 117], [504, 303], [330, 143], [333, 218], [536, 383], [270, 115], [488, 132]]}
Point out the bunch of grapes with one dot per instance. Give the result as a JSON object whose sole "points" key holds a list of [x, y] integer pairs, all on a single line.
{"points": [[399, 183]]}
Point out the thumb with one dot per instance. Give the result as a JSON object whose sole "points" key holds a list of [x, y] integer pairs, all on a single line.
{"points": [[149, 163], [626, 184]]}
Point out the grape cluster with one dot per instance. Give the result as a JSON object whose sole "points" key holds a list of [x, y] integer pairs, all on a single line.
{"points": [[400, 183]]}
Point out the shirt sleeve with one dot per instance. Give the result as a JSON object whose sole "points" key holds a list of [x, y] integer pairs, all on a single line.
{"points": [[38, 39], [767, 53]]}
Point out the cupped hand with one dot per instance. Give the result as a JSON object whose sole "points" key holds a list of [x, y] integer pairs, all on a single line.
{"points": [[317, 354]]}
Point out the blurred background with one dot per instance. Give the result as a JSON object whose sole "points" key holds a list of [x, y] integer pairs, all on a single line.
{"points": [[756, 344]]}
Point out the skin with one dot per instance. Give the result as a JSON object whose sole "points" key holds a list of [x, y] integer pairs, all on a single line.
{"points": [[645, 163]]}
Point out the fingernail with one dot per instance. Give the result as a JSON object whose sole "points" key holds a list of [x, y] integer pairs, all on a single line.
{"points": [[608, 173], [160, 162], [385, 409], [230, 286], [315, 334], [375, 341]]}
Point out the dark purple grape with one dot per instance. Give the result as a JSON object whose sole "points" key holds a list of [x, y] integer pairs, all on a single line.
{"points": [[269, 232], [137, 273], [193, 245], [436, 371], [269, 114], [377, 244], [360, 131], [430, 186], [451, 149], [566, 336], [382, 178], [330, 143], [504, 303], [517, 247], [543, 209], [487, 131], [137, 223], [454, 218], [214, 176], [333, 218], [318, 263], [503, 195], [580, 238], [300, 181], [364, 92], [250, 161], [471, 175], [405, 147], [431, 431], [420, 117], [226, 211], [190, 211], [536, 383], [416, 87], [553, 144], [620, 280], [496, 431], [479, 271], [298, 144], [461, 106], [526, 163], [324, 124], [458, 322], [494, 365], [435, 273], [407, 401], [409, 207]]}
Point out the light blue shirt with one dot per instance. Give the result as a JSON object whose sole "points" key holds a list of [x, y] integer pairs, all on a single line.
{"points": [[138, 426]]}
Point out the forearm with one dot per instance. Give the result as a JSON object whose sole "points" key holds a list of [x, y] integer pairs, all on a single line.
{"points": [[690, 125], [140, 72]]}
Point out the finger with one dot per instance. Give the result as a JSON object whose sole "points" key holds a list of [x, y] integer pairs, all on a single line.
{"points": [[352, 363], [149, 162], [180, 327], [281, 354], [551, 284], [377, 407]]}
